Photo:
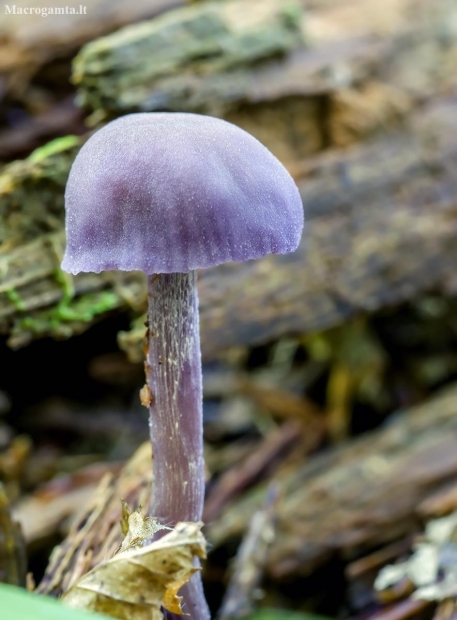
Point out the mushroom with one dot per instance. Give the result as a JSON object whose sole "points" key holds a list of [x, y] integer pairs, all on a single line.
{"points": [[169, 193]]}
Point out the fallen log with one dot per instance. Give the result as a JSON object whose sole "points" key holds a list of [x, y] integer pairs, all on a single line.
{"points": [[351, 499]]}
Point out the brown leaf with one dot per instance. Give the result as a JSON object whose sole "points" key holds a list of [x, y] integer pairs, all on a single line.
{"points": [[134, 584], [137, 528], [171, 600]]}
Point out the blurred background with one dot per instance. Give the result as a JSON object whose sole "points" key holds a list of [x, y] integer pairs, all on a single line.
{"points": [[329, 374]]}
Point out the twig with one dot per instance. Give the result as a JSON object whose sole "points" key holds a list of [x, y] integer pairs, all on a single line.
{"points": [[250, 561]]}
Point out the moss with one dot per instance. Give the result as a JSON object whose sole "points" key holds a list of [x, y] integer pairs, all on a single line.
{"points": [[66, 282], [292, 15], [32, 191], [86, 309], [16, 299], [64, 320], [203, 58]]}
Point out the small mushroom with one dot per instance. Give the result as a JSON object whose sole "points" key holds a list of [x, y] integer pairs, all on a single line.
{"points": [[169, 193]]}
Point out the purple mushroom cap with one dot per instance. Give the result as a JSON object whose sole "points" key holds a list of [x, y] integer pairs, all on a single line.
{"points": [[169, 193]]}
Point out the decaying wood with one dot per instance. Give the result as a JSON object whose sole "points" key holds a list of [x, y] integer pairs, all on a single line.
{"points": [[265, 458], [359, 496], [381, 214], [249, 564], [45, 512], [373, 562], [96, 532], [344, 501], [218, 42], [336, 72], [382, 228]]}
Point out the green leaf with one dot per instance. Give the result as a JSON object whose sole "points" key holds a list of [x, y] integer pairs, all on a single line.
{"points": [[52, 148], [19, 604]]}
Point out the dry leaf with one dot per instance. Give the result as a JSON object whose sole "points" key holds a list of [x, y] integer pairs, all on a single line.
{"points": [[432, 568], [137, 528], [134, 584], [171, 600]]}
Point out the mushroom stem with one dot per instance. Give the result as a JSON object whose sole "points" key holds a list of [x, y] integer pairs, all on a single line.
{"points": [[173, 372]]}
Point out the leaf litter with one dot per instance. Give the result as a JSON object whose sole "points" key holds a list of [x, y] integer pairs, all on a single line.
{"points": [[142, 576], [432, 568]]}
